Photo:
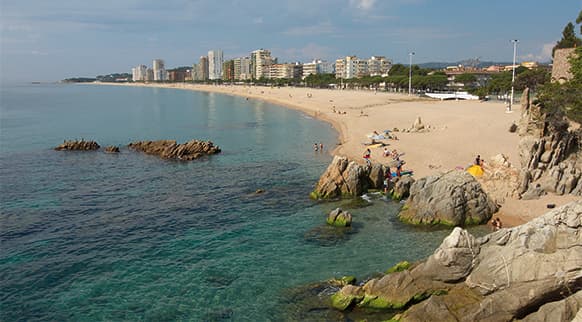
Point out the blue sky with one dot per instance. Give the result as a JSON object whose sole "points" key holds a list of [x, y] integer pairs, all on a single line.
{"points": [[51, 40]]}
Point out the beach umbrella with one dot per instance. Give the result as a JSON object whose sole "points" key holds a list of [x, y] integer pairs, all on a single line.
{"points": [[475, 170]]}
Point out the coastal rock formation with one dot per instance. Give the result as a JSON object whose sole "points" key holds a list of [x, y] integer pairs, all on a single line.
{"points": [[526, 272], [500, 180], [550, 152], [112, 149], [339, 218], [347, 178], [78, 145], [401, 188], [452, 198], [169, 149]]}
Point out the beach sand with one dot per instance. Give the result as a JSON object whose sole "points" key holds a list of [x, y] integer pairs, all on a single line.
{"points": [[458, 130]]}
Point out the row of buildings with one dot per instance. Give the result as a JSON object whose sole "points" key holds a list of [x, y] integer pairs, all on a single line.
{"points": [[260, 64]]}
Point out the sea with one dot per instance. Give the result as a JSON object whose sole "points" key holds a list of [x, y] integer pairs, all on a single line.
{"points": [[91, 236]]}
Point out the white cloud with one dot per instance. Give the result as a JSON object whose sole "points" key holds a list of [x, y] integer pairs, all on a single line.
{"points": [[544, 55], [363, 4]]}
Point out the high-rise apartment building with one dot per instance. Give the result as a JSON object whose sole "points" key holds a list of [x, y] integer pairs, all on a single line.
{"points": [[352, 66], [317, 66], [242, 68], [378, 65], [215, 61], [260, 61], [200, 70], [228, 70], [160, 73], [139, 73]]}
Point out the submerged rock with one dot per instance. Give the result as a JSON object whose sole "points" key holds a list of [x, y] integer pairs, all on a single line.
{"points": [[339, 218], [453, 198], [169, 149], [531, 272], [78, 145], [112, 149]]}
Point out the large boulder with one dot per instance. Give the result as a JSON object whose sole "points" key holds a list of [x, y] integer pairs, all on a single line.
{"points": [[401, 188], [78, 145], [339, 218], [452, 198], [531, 272], [347, 178], [169, 149]]}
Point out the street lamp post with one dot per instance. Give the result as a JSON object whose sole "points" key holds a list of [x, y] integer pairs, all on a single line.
{"points": [[514, 41], [410, 74]]}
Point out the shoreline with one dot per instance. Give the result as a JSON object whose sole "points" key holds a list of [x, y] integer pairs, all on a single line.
{"points": [[457, 130]]}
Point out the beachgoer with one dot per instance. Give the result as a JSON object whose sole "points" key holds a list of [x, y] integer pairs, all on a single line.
{"points": [[478, 160], [386, 152], [499, 224], [387, 179], [399, 164], [367, 156], [315, 147], [320, 147]]}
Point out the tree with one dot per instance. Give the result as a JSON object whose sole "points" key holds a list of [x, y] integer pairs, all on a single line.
{"points": [[466, 79], [558, 99], [568, 40], [579, 20], [532, 78]]}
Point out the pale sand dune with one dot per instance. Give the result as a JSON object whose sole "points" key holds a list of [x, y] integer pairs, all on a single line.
{"points": [[459, 130]]}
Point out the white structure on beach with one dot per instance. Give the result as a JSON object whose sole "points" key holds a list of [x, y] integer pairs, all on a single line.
{"points": [[215, 61], [139, 73], [160, 73]]}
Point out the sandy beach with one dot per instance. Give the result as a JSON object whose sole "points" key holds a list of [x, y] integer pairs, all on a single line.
{"points": [[457, 132]]}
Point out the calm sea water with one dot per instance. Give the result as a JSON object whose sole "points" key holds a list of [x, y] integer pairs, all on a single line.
{"points": [[87, 236]]}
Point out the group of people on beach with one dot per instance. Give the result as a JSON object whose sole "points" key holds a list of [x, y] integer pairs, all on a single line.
{"points": [[496, 224]]}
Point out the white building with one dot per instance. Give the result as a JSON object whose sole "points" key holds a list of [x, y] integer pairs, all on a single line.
{"points": [[378, 66], [317, 66], [242, 68], [284, 71], [260, 61], [139, 73], [215, 61], [160, 73]]}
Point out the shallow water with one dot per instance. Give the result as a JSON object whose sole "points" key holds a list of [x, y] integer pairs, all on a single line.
{"points": [[95, 236]]}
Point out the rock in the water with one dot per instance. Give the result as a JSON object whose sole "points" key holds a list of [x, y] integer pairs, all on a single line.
{"points": [[78, 145], [531, 272], [339, 218], [347, 178], [169, 149], [453, 198], [112, 149]]}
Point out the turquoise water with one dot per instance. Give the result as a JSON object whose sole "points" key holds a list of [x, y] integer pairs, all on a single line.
{"points": [[89, 236]]}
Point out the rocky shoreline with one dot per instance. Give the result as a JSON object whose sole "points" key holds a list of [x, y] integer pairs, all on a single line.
{"points": [[166, 149]]}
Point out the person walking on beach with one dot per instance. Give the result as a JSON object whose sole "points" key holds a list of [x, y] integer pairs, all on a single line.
{"points": [[367, 156]]}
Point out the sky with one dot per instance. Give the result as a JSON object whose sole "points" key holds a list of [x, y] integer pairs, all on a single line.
{"points": [[43, 40]]}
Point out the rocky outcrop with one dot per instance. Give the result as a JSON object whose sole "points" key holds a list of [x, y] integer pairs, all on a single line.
{"points": [[78, 145], [169, 149], [112, 149], [526, 272], [452, 198], [500, 179], [347, 178], [401, 188], [339, 218], [550, 152]]}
